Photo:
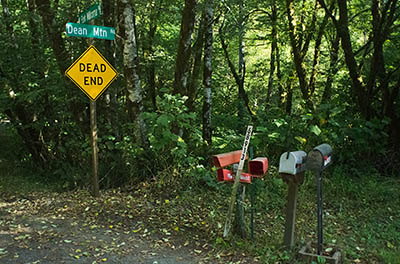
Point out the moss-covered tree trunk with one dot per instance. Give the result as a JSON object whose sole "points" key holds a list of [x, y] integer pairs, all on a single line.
{"points": [[133, 83], [193, 85], [207, 73], [182, 66]]}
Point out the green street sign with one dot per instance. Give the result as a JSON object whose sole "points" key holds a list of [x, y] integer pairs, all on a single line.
{"points": [[89, 31], [91, 13]]}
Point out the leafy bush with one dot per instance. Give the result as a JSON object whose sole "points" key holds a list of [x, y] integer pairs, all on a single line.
{"points": [[170, 158]]}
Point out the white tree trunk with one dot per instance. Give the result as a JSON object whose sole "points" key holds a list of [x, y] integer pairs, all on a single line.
{"points": [[133, 84], [207, 72]]}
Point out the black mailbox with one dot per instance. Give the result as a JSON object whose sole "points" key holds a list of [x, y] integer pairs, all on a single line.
{"points": [[319, 158]]}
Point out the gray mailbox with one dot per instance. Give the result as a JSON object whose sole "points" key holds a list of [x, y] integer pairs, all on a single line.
{"points": [[292, 162], [292, 166], [319, 158]]}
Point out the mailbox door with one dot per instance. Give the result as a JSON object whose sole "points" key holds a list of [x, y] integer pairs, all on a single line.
{"points": [[224, 175], [287, 164], [258, 166], [319, 158], [315, 160], [300, 163]]}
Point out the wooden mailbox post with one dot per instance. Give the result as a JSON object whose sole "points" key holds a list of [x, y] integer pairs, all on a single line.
{"points": [[291, 169]]}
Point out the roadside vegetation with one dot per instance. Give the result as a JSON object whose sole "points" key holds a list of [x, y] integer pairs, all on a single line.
{"points": [[361, 215], [193, 74]]}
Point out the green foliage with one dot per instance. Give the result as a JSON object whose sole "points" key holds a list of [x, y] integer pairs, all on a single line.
{"points": [[45, 137], [17, 174], [172, 116], [169, 158], [41, 105], [389, 256]]}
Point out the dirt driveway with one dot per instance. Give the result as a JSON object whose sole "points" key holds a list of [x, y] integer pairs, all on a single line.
{"points": [[49, 229]]}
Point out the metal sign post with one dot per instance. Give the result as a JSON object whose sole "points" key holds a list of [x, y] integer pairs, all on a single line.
{"points": [[319, 195], [318, 160], [92, 73], [252, 196]]}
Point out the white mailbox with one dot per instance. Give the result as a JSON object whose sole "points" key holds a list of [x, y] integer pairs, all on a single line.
{"points": [[293, 162]]}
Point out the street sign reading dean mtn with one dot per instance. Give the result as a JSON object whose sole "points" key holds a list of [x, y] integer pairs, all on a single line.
{"points": [[92, 73], [89, 31]]}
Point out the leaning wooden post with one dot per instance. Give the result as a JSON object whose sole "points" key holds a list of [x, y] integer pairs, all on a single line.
{"points": [[228, 222]]}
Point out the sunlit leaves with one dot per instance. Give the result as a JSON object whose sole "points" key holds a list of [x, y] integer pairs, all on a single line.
{"points": [[316, 130]]}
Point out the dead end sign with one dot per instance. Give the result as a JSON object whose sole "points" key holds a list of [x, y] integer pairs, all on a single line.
{"points": [[92, 73]]}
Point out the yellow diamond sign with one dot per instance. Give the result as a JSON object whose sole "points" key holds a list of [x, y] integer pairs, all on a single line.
{"points": [[92, 73]]}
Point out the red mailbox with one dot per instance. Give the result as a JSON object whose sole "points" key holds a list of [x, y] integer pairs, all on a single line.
{"points": [[223, 160], [226, 175], [258, 166], [245, 177]]}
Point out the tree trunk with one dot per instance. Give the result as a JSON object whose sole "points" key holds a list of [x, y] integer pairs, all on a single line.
{"points": [[274, 19], [239, 79], [184, 48], [300, 39], [207, 73], [289, 96], [149, 53], [333, 69], [195, 76], [279, 76], [243, 98], [35, 40], [110, 94], [133, 84], [296, 50], [54, 32], [355, 75], [317, 52], [383, 20], [383, 15]]}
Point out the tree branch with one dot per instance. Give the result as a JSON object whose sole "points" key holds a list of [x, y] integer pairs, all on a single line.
{"points": [[225, 49], [327, 11]]}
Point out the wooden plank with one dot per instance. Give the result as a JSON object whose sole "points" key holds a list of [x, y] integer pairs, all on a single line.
{"points": [[235, 186]]}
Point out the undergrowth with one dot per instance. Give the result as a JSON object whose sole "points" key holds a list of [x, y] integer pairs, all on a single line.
{"points": [[361, 209]]}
